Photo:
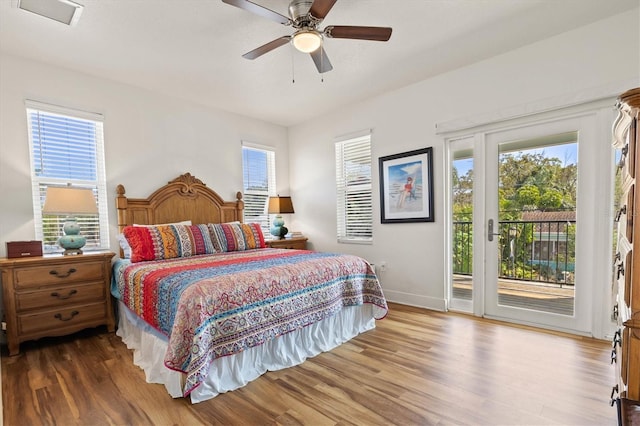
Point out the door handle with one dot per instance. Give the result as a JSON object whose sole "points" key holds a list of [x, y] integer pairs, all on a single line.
{"points": [[490, 232]]}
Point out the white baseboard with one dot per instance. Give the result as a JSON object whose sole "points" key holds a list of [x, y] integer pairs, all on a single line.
{"points": [[418, 301]]}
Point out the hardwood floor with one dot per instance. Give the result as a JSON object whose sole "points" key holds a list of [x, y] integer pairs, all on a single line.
{"points": [[417, 367]]}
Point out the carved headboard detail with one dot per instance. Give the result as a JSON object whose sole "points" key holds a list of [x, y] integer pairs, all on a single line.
{"points": [[184, 198]]}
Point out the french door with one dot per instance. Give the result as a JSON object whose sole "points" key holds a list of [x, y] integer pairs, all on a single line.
{"points": [[527, 221]]}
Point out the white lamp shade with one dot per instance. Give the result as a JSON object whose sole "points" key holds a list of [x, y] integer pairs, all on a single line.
{"points": [[68, 200]]}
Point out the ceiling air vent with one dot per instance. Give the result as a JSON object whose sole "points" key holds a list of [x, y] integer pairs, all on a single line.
{"points": [[64, 11]]}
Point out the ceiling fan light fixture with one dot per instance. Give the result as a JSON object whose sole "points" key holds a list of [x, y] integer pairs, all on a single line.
{"points": [[307, 41]]}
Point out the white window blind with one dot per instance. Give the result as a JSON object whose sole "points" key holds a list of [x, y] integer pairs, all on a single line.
{"points": [[259, 176], [67, 148], [354, 192]]}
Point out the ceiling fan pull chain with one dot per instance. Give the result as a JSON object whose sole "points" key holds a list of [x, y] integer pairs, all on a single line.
{"points": [[293, 68], [322, 62]]}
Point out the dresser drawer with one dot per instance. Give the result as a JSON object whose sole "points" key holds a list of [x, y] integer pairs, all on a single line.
{"points": [[631, 148], [621, 365], [58, 274], [61, 318], [630, 213], [628, 263], [298, 243], [631, 362], [60, 296]]}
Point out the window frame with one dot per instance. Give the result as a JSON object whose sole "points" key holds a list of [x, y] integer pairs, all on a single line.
{"points": [[351, 229], [40, 183], [263, 219]]}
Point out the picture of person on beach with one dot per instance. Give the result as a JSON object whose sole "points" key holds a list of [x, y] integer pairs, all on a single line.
{"points": [[407, 190]]}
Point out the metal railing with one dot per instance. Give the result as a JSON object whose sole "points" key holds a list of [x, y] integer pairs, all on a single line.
{"points": [[540, 251]]}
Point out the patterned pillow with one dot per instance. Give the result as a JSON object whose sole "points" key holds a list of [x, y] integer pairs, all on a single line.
{"points": [[236, 236], [124, 245], [201, 238], [167, 241]]}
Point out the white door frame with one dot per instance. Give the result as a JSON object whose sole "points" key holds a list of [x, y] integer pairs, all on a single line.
{"points": [[594, 207]]}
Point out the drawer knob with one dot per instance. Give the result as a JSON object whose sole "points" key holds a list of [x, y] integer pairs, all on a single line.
{"points": [[624, 152], [59, 316], [617, 339], [614, 391], [60, 296], [59, 275], [620, 269]]}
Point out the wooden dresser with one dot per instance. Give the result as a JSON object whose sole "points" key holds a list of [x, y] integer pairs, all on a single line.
{"points": [[626, 281], [299, 243], [55, 295]]}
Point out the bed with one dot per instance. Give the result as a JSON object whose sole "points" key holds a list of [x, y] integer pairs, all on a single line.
{"points": [[207, 307]]}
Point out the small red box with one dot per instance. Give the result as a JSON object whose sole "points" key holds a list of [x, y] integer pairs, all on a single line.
{"points": [[24, 249]]}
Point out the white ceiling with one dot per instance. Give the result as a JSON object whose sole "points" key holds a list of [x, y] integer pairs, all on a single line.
{"points": [[192, 48]]}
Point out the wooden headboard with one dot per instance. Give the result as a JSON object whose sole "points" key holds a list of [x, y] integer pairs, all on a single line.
{"points": [[184, 198]]}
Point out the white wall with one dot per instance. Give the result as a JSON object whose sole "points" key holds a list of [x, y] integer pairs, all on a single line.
{"points": [[149, 140], [152, 138], [590, 59]]}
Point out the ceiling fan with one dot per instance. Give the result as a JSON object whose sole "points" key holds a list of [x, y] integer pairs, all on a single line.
{"points": [[305, 16]]}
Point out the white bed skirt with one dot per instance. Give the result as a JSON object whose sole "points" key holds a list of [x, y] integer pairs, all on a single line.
{"points": [[232, 372]]}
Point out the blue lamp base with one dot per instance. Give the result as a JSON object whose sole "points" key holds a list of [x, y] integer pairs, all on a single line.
{"points": [[71, 241], [278, 230]]}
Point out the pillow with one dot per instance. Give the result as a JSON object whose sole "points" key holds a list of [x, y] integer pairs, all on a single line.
{"points": [[124, 245], [235, 236], [126, 248], [159, 242], [201, 239]]}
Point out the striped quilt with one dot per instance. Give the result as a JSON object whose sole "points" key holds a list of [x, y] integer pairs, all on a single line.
{"points": [[217, 305]]}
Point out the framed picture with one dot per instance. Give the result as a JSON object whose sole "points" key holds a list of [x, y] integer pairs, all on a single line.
{"points": [[406, 186]]}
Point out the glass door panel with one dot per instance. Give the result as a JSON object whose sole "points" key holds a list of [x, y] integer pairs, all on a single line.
{"points": [[461, 225], [531, 193], [537, 225]]}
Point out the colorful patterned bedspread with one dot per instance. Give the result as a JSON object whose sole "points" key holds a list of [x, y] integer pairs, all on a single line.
{"points": [[217, 305]]}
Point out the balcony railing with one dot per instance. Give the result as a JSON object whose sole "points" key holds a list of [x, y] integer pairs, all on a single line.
{"points": [[533, 251]]}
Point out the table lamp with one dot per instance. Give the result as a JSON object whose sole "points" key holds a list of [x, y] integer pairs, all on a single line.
{"points": [[70, 201], [279, 205]]}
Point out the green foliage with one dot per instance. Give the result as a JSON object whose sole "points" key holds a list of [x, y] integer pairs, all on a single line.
{"points": [[528, 182], [531, 181], [462, 191], [550, 200], [528, 197]]}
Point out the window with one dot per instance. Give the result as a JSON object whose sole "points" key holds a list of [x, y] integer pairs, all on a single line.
{"points": [[353, 181], [67, 148], [259, 176]]}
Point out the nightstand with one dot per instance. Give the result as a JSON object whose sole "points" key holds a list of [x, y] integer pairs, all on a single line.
{"points": [[299, 243], [55, 295]]}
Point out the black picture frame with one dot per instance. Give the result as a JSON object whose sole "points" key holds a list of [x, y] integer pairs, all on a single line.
{"points": [[406, 187]]}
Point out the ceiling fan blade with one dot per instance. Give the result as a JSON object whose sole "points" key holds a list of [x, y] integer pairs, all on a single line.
{"points": [[321, 60], [320, 8], [259, 10], [265, 48], [359, 33]]}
